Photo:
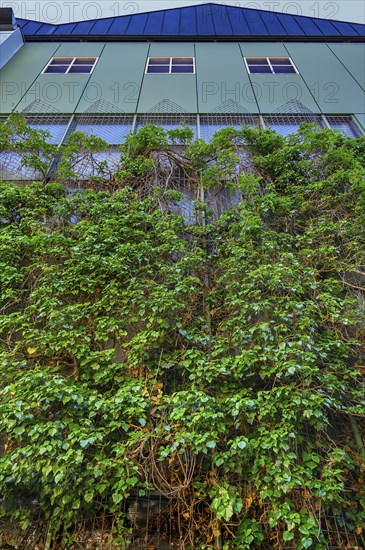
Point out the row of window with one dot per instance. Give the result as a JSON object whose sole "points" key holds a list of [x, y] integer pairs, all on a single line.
{"points": [[170, 65]]}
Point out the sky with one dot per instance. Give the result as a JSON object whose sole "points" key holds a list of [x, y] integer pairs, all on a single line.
{"points": [[63, 11]]}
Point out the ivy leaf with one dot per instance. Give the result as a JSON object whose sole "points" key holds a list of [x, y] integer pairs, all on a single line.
{"points": [[117, 498]]}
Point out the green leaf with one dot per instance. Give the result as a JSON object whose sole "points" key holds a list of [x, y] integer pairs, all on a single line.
{"points": [[288, 535], [117, 498]]}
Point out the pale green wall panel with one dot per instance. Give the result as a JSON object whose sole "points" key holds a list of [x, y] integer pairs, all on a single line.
{"points": [[20, 72], [80, 49], [179, 89], [353, 58], [277, 92], [117, 78], [331, 85], [262, 49], [62, 92], [222, 78], [172, 49]]}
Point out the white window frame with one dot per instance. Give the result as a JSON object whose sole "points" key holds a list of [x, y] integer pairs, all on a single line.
{"points": [[70, 64], [269, 63], [170, 64]]}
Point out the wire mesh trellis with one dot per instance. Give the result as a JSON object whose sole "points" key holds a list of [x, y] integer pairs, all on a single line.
{"points": [[12, 166], [220, 199], [106, 121], [345, 124], [213, 122], [184, 203], [54, 124], [89, 166], [153, 521], [33, 537], [287, 124], [103, 107], [230, 107], [169, 122], [39, 107], [111, 128], [170, 116], [167, 107], [293, 107]]}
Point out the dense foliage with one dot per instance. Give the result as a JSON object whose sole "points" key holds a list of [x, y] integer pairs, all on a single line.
{"points": [[219, 363]]}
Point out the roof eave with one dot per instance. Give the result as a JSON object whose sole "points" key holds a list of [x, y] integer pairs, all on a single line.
{"points": [[189, 38]]}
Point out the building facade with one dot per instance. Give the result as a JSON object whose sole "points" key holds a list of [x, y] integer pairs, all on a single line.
{"points": [[208, 66]]}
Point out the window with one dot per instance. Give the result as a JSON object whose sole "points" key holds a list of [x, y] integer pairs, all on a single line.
{"points": [[170, 65], [270, 65], [67, 65]]}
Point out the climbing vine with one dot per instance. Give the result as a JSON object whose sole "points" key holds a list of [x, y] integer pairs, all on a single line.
{"points": [[218, 363]]}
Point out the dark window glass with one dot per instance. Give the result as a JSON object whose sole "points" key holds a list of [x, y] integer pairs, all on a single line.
{"points": [[80, 69], [158, 69], [257, 61], [159, 61], [84, 61], [171, 64], [283, 69], [61, 61], [280, 61], [182, 61], [187, 69], [60, 69], [79, 65], [260, 69]]}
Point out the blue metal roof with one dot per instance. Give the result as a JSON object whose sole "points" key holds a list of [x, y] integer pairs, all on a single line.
{"points": [[198, 22]]}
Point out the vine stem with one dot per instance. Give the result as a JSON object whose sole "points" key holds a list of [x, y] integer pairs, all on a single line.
{"points": [[357, 437]]}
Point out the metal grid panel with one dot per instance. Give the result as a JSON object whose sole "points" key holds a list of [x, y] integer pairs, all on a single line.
{"points": [[185, 205], [11, 162], [153, 523], [293, 107], [88, 166], [220, 199], [213, 122], [111, 128], [12, 169], [55, 124], [288, 124], [345, 124], [169, 121]]}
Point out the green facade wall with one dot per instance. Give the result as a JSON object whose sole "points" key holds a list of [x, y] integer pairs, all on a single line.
{"points": [[222, 77], [333, 87], [18, 76], [331, 79], [117, 78], [178, 88]]}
